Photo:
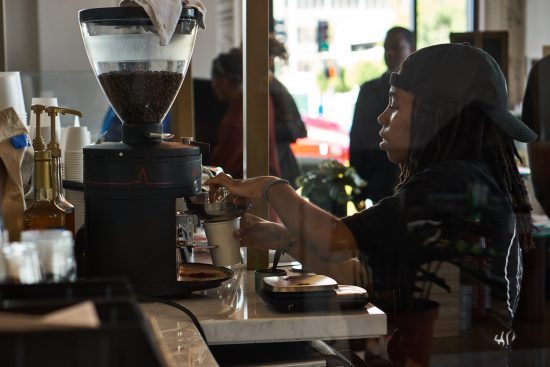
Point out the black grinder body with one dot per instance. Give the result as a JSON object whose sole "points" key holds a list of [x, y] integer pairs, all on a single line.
{"points": [[130, 193]]}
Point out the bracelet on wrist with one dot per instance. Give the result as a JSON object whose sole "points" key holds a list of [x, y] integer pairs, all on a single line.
{"points": [[270, 184]]}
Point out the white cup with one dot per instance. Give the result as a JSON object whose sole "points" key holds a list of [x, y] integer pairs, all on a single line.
{"points": [[22, 263], [11, 93], [77, 138], [226, 250], [55, 252], [74, 165]]}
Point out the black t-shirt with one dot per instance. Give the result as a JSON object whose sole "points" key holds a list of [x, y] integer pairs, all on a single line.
{"points": [[442, 200]]}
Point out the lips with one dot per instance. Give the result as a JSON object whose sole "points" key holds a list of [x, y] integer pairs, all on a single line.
{"points": [[384, 142]]}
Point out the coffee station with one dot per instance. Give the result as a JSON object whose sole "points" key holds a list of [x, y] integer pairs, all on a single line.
{"points": [[144, 200]]}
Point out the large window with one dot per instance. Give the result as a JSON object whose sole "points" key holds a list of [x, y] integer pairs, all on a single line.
{"points": [[437, 18], [336, 45]]}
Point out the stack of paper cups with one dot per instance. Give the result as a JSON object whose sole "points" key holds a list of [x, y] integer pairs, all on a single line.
{"points": [[77, 137], [45, 130], [11, 93]]}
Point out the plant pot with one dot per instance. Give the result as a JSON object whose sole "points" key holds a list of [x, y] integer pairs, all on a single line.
{"points": [[413, 337]]}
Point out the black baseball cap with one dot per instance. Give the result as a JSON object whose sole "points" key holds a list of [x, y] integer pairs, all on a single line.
{"points": [[463, 74]]}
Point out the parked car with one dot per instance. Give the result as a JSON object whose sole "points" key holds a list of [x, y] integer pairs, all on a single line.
{"points": [[325, 140]]}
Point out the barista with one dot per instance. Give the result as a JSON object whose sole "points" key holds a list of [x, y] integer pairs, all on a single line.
{"points": [[449, 129]]}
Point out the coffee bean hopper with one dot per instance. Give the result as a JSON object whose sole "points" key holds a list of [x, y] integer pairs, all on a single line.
{"points": [[130, 187]]}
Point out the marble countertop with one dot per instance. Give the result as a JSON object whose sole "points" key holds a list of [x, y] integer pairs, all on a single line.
{"points": [[234, 314]]}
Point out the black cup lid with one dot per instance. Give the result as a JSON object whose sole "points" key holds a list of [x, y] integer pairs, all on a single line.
{"points": [[135, 15]]}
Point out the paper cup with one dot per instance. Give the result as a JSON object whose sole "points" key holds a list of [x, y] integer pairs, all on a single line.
{"points": [[77, 138], [11, 93], [226, 249]]}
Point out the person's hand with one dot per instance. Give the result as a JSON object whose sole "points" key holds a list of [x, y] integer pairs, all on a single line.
{"points": [[257, 232], [251, 188]]}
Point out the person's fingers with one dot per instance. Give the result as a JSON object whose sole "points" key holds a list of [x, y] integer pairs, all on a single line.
{"points": [[248, 219], [221, 180]]}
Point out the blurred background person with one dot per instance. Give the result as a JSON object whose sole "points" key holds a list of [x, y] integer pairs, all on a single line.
{"points": [[288, 122], [227, 78], [371, 163], [536, 114]]}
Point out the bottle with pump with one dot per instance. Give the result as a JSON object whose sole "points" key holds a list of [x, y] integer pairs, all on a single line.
{"points": [[57, 168], [43, 212]]}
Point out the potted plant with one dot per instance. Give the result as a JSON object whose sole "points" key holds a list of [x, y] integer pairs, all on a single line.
{"points": [[330, 186], [418, 266]]}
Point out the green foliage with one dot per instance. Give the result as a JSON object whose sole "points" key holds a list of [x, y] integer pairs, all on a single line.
{"points": [[437, 18], [338, 83], [322, 82], [345, 79], [340, 86], [329, 181], [365, 71]]}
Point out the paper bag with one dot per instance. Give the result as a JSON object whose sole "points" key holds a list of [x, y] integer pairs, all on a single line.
{"points": [[13, 145]]}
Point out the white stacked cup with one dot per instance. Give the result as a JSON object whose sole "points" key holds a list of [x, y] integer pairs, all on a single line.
{"points": [[55, 253], [45, 130], [11, 93], [22, 263], [77, 137]]}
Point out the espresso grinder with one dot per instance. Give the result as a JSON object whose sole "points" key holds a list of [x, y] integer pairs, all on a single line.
{"points": [[131, 187]]}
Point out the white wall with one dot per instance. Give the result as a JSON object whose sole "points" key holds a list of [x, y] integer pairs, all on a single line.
{"points": [[21, 28], [61, 47], [206, 44], [223, 31]]}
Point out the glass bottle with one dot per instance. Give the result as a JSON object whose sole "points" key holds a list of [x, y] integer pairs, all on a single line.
{"points": [[43, 211]]}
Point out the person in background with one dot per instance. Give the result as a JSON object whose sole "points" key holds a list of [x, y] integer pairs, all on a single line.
{"points": [[536, 114], [227, 78], [448, 127], [368, 160], [288, 122]]}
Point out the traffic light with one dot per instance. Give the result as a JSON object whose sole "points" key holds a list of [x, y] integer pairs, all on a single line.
{"points": [[322, 35]]}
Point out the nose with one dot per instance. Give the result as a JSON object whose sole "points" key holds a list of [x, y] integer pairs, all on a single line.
{"points": [[383, 118]]}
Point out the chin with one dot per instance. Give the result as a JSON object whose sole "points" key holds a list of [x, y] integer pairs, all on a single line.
{"points": [[395, 159]]}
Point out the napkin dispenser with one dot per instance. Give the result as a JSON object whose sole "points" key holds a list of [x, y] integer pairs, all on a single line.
{"points": [[310, 292]]}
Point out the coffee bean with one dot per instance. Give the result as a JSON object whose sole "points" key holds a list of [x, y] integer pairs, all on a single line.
{"points": [[141, 97]]}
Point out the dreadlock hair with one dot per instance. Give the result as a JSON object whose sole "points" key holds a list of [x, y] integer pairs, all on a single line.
{"points": [[442, 131]]}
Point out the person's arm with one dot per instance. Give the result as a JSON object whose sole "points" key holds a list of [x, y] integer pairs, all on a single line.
{"points": [[316, 232], [260, 233]]}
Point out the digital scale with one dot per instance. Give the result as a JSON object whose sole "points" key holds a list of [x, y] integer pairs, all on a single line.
{"points": [[310, 292]]}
